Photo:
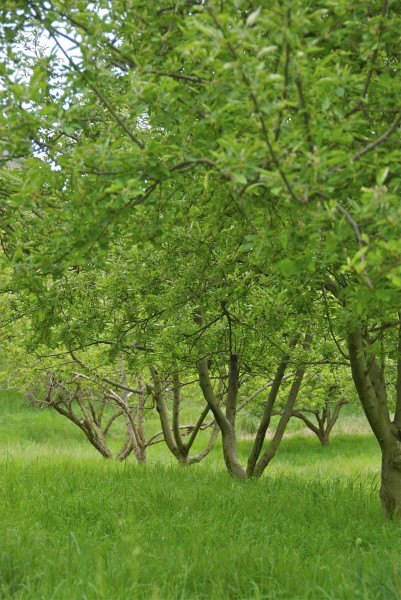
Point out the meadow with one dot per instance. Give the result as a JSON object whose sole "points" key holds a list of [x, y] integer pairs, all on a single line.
{"points": [[75, 526]]}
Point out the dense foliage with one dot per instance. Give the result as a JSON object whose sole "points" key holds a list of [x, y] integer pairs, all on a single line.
{"points": [[210, 187]]}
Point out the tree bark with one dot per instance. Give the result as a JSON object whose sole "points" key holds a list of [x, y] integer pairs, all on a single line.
{"points": [[232, 390], [163, 413], [270, 452], [233, 465], [369, 383], [257, 465], [366, 391], [390, 490], [181, 447], [324, 439], [267, 414], [333, 418], [126, 449], [397, 414], [86, 428], [209, 447]]}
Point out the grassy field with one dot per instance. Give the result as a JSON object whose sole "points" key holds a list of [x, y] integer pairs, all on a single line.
{"points": [[74, 526]]}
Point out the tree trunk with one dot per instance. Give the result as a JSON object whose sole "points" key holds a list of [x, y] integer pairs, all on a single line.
{"points": [[141, 456], [86, 427], [163, 413], [369, 383], [209, 447], [267, 414], [256, 463], [125, 450], [324, 438], [181, 447], [390, 490], [183, 460], [233, 465], [270, 452]]}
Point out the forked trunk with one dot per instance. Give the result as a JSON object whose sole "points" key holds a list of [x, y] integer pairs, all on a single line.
{"points": [[183, 461], [324, 438], [141, 456], [233, 464]]}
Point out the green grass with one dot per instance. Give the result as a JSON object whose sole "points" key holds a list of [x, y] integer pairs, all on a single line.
{"points": [[73, 530], [74, 526]]}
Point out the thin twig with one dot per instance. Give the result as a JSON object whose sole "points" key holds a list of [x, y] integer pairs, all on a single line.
{"points": [[330, 325], [378, 140], [364, 92], [361, 243]]}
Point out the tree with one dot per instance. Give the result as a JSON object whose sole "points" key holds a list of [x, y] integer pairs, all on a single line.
{"points": [[325, 391], [286, 115], [173, 433], [373, 353]]}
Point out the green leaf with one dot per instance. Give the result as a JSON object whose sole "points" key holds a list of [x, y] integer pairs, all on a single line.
{"points": [[381, 175], [287, 267], [252, 17]]}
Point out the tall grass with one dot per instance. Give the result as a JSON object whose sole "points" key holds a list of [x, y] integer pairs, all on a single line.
{"points": [[103, 530], [74, 526]]}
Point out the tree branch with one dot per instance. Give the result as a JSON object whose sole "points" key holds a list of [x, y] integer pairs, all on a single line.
{"points": [[378, 140]]}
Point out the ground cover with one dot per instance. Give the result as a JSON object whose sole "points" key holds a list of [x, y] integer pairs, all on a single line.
{"points": [[77, 526]]}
